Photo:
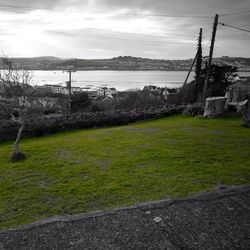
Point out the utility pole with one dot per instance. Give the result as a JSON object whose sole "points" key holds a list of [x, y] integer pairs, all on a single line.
{"points": [[190, 69], [210, 57], [198, 66], [198, 56], [69, 90]]}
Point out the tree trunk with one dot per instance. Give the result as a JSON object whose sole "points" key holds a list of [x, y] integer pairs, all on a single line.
{"points": [[19, 135]]}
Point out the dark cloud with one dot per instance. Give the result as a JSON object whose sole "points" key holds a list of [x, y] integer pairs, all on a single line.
{"points": [[198, 7], [187, 7], [29, 5]]}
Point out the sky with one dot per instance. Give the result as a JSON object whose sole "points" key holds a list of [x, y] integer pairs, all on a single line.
{"points": [[163, 29]]}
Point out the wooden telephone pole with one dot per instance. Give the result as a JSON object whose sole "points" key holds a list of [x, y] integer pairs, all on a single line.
{"points": [[210, 57], [198, 66], [69, 89], [195, 58]]}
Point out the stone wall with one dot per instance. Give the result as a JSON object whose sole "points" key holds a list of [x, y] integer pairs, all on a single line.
{"points": [[39, 126], [215, 106]]}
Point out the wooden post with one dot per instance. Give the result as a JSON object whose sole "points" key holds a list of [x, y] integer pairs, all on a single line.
{"points": [[192, 65], [210, 57], [69, 89], [198, 66]]}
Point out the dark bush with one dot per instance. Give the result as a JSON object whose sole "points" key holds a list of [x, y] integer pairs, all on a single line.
{"points": [[79, 102], [49, 125], [50, 110], [194, 109], [96, 108], [36, 110]]}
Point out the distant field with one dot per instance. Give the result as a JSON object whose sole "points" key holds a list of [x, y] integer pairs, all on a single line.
{"points": [[75, 172]]}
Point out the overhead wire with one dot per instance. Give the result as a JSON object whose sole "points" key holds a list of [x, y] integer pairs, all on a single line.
{"points": [[168, 15], [67, 34], [233, 27], [18, 7], [25, 8], [178, 52], [235, 13], [236, 52]]}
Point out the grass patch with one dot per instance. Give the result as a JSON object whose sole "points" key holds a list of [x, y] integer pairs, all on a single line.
{"points": [[79, 171]]}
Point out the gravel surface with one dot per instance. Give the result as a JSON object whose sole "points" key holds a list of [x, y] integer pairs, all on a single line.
{"points": [[214, 220]]}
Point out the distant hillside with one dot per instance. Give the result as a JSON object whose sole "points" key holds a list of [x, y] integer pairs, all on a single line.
{"points": [[119, 63]]}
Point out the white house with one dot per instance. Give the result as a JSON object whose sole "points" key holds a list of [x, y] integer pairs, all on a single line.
{"points": [[56, 89], [101, 91], [76, 90], [152, 88], [106, 92]]}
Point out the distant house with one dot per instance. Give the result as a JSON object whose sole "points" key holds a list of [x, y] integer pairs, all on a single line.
{"points": [[101, 91], [92, 95], [152, 88], [75, 90], [43, 89], [157, 90], [113, 91], [56, 89], [106, 92]]}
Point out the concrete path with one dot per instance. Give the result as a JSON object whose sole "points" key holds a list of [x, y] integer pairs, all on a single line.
{"points": [[216, 220]]}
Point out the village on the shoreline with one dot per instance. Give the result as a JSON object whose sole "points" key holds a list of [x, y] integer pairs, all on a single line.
{"points": [[53, 98]]}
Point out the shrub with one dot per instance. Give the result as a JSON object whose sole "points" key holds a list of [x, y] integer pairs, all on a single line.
{"points": [[194, 109], [50, 110], [49, 125]]}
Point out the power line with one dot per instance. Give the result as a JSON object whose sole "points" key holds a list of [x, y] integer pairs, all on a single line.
{"points": [[112, 38], [235, 51], [168, 15], [235, 13], [233, 27], [26, 8], [179, 52], [16, 7]]}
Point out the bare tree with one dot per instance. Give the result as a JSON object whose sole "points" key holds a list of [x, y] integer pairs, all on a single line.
{"points": [[16, 85]]}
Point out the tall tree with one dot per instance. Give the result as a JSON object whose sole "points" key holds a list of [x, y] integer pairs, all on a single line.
{"points": [[16, 85]]}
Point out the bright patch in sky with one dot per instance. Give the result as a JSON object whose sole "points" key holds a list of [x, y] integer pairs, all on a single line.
{"points": [[108, 28]]}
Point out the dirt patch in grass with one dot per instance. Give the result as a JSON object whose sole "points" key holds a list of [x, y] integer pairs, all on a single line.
{"points": [[144, 130], [64, 154], [103, 164]]}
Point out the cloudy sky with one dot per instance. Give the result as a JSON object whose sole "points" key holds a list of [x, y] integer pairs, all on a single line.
{"points": [[108, 28]]}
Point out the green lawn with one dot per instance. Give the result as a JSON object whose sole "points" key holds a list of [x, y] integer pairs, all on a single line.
{"points": [[79, 171]]}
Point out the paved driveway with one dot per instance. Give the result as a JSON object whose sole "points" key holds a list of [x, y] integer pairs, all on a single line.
{"points": [[216, 220]]}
